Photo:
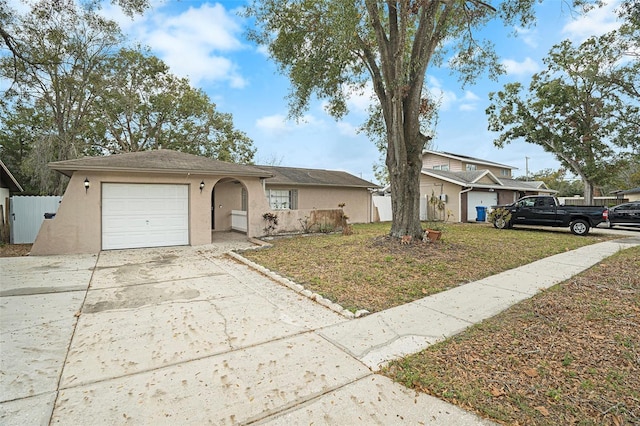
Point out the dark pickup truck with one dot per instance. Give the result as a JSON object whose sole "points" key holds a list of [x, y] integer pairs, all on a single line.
{"points": [[546, 210]]}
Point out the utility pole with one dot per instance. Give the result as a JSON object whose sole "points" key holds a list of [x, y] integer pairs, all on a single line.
{"points": [[526, 168]]}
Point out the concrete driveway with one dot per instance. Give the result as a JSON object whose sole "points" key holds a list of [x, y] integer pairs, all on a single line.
{"points": [[181, 336]]}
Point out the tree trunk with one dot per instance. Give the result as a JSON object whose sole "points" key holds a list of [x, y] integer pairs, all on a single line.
{"points": [[405, 201], [404, 162], [588, 192]]}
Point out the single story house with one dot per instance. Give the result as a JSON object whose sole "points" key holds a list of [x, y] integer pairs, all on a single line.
{"points": [[165, 198], [453, 185], [632, 194]]}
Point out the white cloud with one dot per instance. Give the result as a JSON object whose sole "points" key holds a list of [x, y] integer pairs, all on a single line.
{"points": [[469, 101], [278, 124], [347, 129], [445, 98], [597, 22], [359, 99], [263, 49], [526, 67], [193, 43], [528, 36], [470, 96], [273, 124]]}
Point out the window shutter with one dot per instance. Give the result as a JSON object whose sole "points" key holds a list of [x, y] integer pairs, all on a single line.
{"points": [[293, 199]]}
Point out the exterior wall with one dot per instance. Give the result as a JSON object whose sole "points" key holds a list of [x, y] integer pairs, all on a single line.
{"points": [[487, 180], [77, 225], [430, 160], [507, 197], [358, 203], [497, 171], [429, 185]]}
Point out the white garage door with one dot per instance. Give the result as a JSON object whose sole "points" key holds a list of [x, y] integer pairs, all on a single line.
{"points": [[478, 198], [144, 215]]}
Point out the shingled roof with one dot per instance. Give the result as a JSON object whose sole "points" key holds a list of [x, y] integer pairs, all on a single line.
{"points": [[313, 177], [157, 161], [469, 179]]}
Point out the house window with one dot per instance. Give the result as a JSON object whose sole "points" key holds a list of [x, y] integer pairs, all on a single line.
{"points": [[444, 167], [471, 167], [283, 199], [505, 172], [245, 200]]}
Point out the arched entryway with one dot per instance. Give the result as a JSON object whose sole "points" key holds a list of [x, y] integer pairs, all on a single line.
{"points": [[229, 206]]}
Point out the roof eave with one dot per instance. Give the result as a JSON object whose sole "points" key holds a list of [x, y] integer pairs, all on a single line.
{"points": [[333, 185], [70, 170], [12, 180]]}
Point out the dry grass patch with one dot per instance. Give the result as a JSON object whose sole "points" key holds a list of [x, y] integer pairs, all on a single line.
{"points": [[368, 270], [570, 355], [14, 250]]}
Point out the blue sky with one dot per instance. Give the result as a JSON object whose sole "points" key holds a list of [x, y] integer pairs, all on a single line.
{"points": [[206, 42]]}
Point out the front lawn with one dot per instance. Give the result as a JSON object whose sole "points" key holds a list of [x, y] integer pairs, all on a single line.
{"points": [[368, 270], [568, 356]]}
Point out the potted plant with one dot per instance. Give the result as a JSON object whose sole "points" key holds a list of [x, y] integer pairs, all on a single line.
{"points": [[500, 217], [433, 231]]}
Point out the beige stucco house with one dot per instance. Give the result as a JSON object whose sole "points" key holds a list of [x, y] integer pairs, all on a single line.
{"points": [[165, 198], [453, 185]]}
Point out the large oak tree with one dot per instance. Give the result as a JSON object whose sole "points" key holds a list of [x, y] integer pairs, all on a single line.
{"points": [[325, 46], [583, 108], [144, 106], [75, 92]]}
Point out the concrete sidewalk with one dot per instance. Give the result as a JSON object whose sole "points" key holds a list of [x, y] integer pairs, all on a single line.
{"points": [[186, 336]]}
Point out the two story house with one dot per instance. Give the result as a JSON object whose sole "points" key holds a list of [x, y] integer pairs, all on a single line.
{"points": [[453, 185]]}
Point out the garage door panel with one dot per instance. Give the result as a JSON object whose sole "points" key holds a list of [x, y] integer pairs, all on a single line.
{"points": [[479, 198], [144, 215]]}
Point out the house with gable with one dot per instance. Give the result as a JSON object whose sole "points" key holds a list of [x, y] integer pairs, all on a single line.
{"points": [[165, 198], [453, 185]]}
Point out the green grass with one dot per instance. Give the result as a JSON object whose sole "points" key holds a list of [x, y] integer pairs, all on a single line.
{"points": [[368, 271]]}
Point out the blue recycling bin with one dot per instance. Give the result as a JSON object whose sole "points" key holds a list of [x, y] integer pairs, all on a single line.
{"points": [[481, 212]]}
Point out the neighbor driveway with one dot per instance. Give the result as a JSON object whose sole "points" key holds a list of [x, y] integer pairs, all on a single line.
{"points": [[181, 336]]}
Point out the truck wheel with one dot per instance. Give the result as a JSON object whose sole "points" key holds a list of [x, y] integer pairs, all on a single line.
{"points": [[579, 227], [500, 223]]}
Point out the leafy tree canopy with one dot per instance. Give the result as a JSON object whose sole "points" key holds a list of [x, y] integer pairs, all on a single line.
{"points": [[77, 92], [328, 48], [583, 108]]}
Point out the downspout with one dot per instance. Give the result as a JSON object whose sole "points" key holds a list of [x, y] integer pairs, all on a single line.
{"points": [[460, 202]]}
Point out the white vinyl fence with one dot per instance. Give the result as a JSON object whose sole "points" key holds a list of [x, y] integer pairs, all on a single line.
{"points": [[383, 205], [27, 215], [239, 220]]}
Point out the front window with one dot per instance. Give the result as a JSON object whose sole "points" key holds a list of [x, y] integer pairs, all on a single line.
{"points": [[505, 172], [471, 167], [444, 167], [283, 199]]}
